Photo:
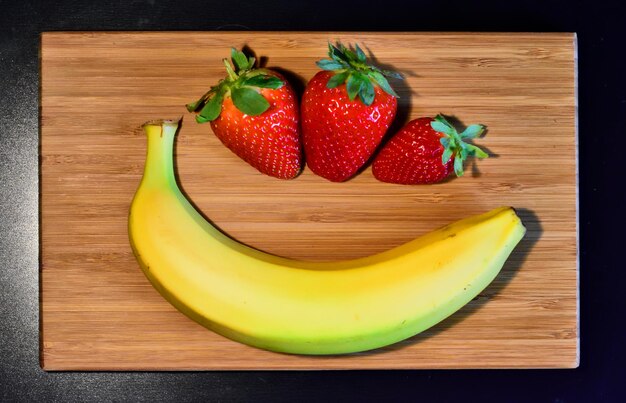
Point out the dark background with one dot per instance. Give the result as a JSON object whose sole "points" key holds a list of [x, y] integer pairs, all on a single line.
{"points": [[601, 28]]}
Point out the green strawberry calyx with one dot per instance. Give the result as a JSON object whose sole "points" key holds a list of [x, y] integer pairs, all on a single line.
{"points": [[242, 84], [454, 143], [351, 67]]}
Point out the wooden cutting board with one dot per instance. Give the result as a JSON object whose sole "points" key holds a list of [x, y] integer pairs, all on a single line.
{"points": [[99, 312]]}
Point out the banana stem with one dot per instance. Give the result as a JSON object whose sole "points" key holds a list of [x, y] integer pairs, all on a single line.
{"points": [[159, 168]]}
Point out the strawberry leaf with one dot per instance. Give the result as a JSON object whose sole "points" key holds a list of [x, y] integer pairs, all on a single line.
{"points": [[330, 65], [463, 151], [472, 131], [458, 165], [352, 57], [337, 54], [442, 119], [249, 101], [200, 119], [360, 54], [445, 157], [367, 92], [251, 61], [263, 81], [337, 79], [192, 107], [212, 109], [392, 74], [348, 53], [383, 83], [442, 127], [239, 59], [353, 86], [476, 151]]}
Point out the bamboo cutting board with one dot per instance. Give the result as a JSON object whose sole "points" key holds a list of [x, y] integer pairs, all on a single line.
{"points": [[99, 312]]}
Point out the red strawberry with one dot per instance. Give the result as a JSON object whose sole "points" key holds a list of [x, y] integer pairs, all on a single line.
{"points": [[254, 112], [341, 133], [424, 151]]}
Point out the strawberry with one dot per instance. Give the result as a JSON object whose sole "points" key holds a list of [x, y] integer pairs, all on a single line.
{"points": [[424, 151], [254, 112], [340, 133]]}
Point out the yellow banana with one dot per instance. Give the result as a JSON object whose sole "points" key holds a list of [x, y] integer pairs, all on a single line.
{"points": [[301, 307]]}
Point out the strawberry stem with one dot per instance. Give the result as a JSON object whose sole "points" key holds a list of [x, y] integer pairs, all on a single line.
{"points": [[229, 69], [453, 144], [243, 84], [351, 68]]}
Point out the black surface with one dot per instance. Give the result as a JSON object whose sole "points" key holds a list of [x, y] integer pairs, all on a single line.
{"points": [[601, 29]]}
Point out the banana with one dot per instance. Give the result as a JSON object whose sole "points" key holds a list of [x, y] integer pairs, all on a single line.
{"points": [[303, 307]]}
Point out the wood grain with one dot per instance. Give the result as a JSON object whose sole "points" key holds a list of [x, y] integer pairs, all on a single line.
{"points": [[98, 311]]}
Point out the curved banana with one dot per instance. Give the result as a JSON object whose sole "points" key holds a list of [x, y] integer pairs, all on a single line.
{"points": [[302, 307]]}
